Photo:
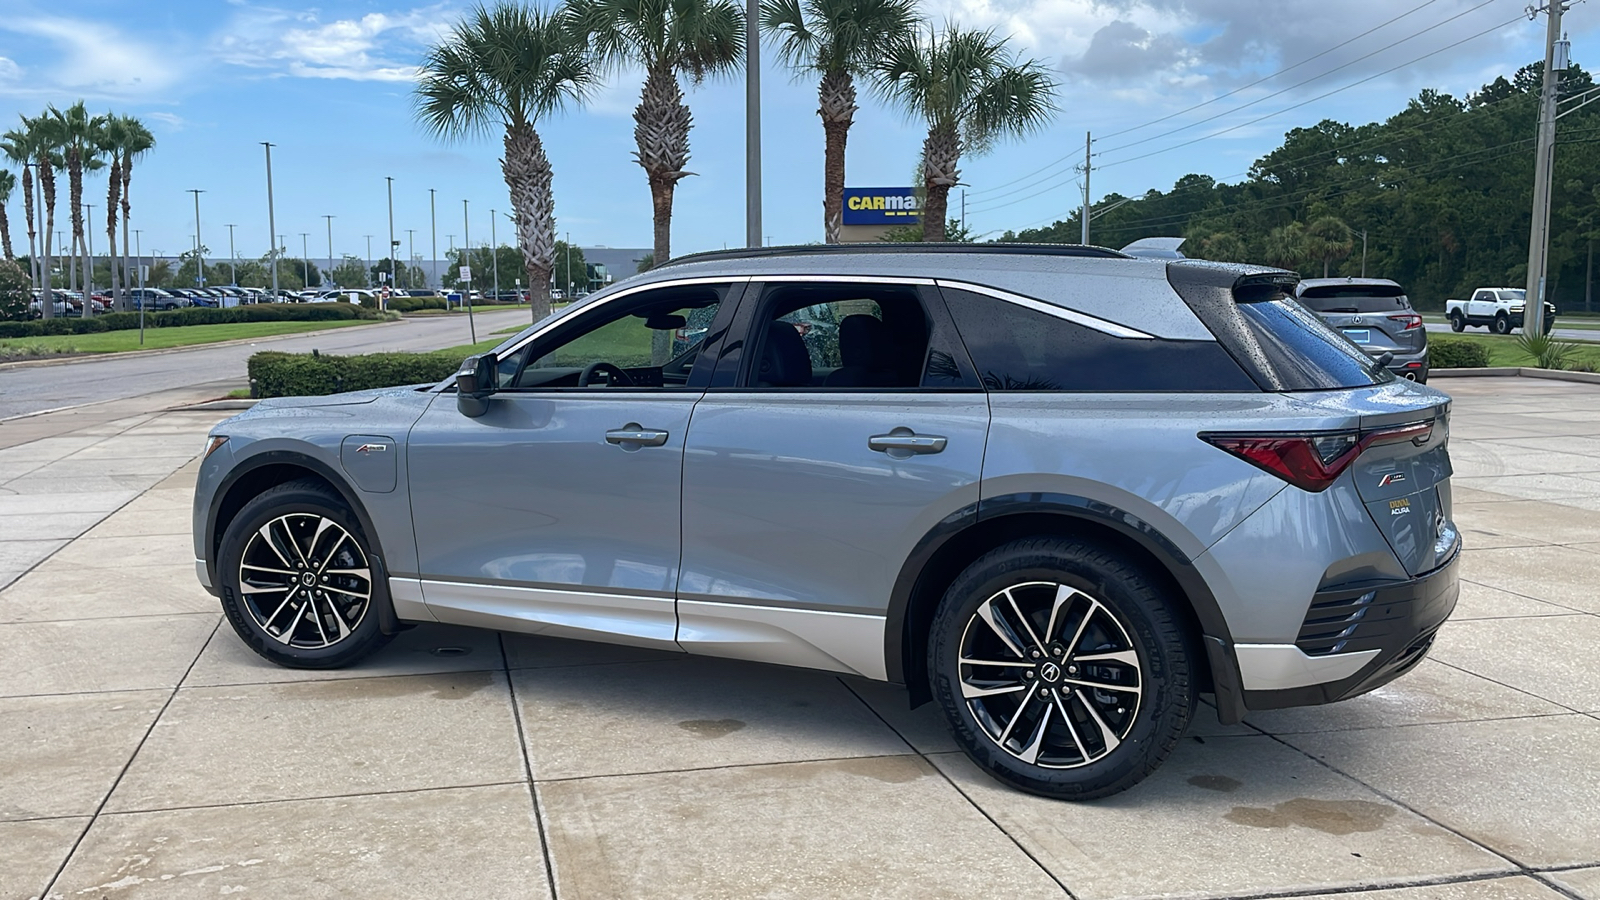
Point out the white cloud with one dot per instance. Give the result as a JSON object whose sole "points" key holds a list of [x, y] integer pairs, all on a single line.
{"points": [[373, 47], [90, 59]]}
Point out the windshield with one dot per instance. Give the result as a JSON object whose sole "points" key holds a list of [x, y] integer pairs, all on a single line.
{"points": [[1515, 296]]}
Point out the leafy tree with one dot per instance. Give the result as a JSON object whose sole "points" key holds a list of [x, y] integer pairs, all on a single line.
{"points": [[380, 272], [954, 232], [504, 68], [14, 292], [970, 90], [351, 272], [569, 259], [838, 40], [668, 39], [1328, 239]]}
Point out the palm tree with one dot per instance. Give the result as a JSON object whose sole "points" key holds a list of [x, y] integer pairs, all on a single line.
{"points": [[1328, 238], [666, 38], [44, 140], [18, 149], [1285, 246], [504, 68], [838, 40], [8, 183], [136, 142], [80, 134], [971, 90]]}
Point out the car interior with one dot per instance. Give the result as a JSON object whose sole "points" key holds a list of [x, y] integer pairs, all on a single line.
{"points": [[841, 336]]}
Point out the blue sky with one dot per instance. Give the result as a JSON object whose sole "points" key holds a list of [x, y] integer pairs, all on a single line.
{"points": [[329, 85]]}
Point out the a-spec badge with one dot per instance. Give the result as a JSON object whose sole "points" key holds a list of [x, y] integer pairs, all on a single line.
{"points": [[1399, 507], [1392, 478], [373, 448]]}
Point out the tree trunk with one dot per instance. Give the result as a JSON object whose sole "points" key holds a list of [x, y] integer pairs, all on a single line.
{"points": [[127, 176], [836, 104], [5, 233], [47, 186], [113, 188], [27, 207], [527, 173], [75, 195], [941, 154], [661, 129]]}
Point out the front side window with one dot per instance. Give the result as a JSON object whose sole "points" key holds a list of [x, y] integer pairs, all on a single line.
{"points": [[1020, 349], [651, 340]]}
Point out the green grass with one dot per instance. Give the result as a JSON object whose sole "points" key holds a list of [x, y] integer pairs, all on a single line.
{"points": [[161, 338], [1503, 350], [239, 394]]}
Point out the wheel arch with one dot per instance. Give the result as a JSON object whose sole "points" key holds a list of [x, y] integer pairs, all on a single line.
{"points": [[950, 547], [251, 476]]}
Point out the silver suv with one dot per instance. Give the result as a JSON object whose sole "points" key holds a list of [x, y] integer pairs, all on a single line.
{"points": [[1061, 492]]}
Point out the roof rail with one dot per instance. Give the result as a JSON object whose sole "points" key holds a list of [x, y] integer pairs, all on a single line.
{"points": [[1012, 249]]}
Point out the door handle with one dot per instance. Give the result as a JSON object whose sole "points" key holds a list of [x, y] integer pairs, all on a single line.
{"points": [[902, 442], [633, 433]]}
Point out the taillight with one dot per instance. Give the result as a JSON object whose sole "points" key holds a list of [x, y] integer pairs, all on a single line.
{"points": [[1313, 461], [1409, 321]]}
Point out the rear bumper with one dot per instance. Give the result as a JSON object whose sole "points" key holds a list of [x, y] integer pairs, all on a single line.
{"points": [[1403, 620]]}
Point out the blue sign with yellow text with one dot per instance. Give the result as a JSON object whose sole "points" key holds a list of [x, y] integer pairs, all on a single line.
{"points": [[881, 206]]}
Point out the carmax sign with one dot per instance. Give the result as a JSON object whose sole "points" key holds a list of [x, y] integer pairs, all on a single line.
{"points": [[881, 206]]}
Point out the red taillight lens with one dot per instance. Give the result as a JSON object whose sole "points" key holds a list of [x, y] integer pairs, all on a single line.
{"points": [[1312, 462], [1409, 321]]}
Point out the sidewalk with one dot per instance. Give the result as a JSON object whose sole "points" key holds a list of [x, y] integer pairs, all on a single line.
{"points": [[148, 754]]}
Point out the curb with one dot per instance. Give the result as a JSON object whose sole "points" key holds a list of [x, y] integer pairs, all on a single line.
{"points": [[227, 403], [1516, 371], [129, 354]]}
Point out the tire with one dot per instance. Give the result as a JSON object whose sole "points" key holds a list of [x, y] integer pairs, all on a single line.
{"points": [[1457, 323], [268, 611], [1113, 738], [1502, 324]]}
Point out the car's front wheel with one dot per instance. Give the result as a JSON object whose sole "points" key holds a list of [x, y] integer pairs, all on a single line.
{"points": [[299, 581], [1457, 322], [1062, 668], [1502, 324]]}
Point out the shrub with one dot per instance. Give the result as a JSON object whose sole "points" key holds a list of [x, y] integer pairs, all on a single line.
{"points": [[1447, 353], [1547, 352], [412, 304], [14, 294], [276, 374], [200, 315]]}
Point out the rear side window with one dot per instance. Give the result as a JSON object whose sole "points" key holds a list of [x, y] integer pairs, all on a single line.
{"points": [[1355, 298], [1019, 349], [1302, 352]]}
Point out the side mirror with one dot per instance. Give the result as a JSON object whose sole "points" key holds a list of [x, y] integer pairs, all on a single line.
{"points": [[475, 382]]}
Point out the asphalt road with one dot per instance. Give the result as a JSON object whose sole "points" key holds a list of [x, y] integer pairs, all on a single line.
{"points": [[1566, 334], [92, 379]]}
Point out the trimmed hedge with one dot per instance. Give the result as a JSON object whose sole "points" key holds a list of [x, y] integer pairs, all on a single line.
{"points": [[1447, 353], [277, 374], [200, 315], [412, 304]]}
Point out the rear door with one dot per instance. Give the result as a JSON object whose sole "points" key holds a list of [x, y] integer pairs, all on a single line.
{"points": [[845, 426]]}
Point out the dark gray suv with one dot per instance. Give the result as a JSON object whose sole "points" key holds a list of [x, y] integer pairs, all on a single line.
{"points": [[1376, 315], [1059, 491]]}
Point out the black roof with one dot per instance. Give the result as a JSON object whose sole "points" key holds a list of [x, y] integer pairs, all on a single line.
{"points": [[896, 248]]}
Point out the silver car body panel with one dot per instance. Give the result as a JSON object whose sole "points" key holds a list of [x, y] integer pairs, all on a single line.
{"points": [[1276, 667], [815, 639]]}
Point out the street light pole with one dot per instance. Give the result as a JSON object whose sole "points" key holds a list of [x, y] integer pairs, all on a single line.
{"points": [[411, 256], [369, 260], [272, 226], [752, 126], [494, 255], [392, 241], [466, 262], [433, 223], [305, 259], [233, 257], [1539, 234], [199, 254], [138, 254], [88, 270], [330, 241]]}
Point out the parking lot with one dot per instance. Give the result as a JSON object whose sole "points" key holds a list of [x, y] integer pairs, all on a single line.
{"points": [[147, 753]]}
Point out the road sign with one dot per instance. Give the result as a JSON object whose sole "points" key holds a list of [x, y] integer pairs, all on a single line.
{"points": [[466, 273]]}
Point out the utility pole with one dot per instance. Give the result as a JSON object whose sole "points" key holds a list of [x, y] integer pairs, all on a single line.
{"points": [[963, 209], [1363, 253], [1087, 165], [88, 270], [752, 125], [272, 225], [392, 241], [411, 256], [494, 254], [466, 261], [1539, 237], [144, 300], [368, 276], [330, 241], [233, 258], [305, 260], [569, 267], [199, 253], [433, 224]]}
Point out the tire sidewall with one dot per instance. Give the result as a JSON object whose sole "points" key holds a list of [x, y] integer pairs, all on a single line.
{"points": [[1127, 596], [364, 638]]}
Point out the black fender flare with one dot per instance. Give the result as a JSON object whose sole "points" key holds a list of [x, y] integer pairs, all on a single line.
{"points": [[1215, 635], [389, 623]]}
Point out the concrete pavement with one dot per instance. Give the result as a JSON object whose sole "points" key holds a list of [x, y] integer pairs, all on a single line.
{"points": [[147, 753], [93, 379]]}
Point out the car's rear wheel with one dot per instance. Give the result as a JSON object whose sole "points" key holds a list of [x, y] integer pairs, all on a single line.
{"points": [[1062, 668], [299, 581], [1458, 322]]}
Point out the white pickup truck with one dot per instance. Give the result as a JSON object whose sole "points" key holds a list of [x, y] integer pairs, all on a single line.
{"points": [[1497, 309]]}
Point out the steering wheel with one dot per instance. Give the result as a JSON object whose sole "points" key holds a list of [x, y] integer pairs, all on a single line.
{"points": [[615, 376]]}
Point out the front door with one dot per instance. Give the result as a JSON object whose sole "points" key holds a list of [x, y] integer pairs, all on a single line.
{"points": [[849, 429], [557, 511]]}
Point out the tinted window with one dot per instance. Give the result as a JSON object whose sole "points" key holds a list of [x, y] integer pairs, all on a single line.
{"points": [[1018, 349], [1303, 353], [1355, 298], [846, 336]]}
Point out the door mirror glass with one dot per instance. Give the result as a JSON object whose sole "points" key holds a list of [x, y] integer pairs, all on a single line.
{"points": [[475, 381]]}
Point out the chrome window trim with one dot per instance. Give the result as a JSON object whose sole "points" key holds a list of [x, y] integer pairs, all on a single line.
{"points": [[846, 279], [1050, 309]]}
